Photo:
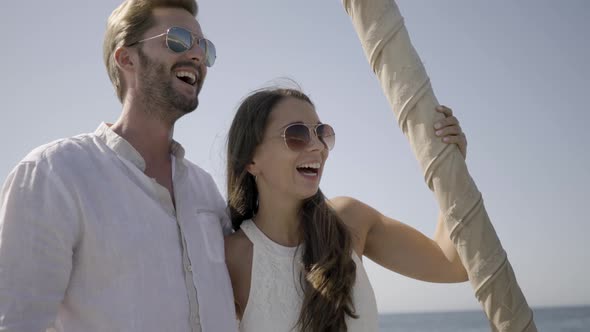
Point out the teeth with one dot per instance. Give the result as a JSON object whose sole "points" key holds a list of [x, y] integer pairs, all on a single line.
{"points": [[192, 77], [310, 165]]}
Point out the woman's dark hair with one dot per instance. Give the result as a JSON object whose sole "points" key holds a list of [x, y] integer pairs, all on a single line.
{"points": [[329, 271]]}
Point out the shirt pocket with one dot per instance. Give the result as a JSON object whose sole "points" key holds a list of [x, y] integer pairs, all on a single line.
{"points": [[212, 235]]}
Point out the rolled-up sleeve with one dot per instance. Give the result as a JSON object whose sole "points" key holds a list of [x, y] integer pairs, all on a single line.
{"points": [[38, 231]]}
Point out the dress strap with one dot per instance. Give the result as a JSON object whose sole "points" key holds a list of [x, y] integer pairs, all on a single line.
{"points": [[261, 241]]}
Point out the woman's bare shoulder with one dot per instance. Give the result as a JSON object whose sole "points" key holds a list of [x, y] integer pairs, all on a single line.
{"points": [[357, 216], [351, 210], [237, 245]]}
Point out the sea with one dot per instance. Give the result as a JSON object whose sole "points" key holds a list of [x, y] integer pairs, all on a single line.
{"points": [[557, 319]]}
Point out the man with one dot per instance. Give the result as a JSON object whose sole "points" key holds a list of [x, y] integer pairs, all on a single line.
{"points": [[115, 230]]}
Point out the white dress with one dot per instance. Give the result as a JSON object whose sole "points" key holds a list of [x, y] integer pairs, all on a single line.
{"points": [[275, 298]]}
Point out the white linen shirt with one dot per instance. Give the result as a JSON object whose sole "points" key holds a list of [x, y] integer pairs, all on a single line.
{"points": [[88, 242]]}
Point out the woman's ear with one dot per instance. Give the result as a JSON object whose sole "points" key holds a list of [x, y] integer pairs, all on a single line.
{"points": [[252, 168]]}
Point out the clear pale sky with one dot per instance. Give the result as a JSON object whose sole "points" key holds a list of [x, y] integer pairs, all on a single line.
{"points": [[515, 72]]}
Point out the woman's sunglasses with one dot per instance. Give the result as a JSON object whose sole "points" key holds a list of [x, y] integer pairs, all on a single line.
{"points": [[181, 40], [298, 136]]}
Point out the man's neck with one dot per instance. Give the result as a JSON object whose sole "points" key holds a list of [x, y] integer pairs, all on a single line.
{"points": [[146, 132]]}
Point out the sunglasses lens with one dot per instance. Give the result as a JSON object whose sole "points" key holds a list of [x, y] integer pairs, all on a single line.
{"points": [[179, 40], [326, 135], [297, 137], [209, 50]]}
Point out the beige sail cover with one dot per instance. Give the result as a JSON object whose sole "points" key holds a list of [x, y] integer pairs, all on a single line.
{"points": [[394, 60]]}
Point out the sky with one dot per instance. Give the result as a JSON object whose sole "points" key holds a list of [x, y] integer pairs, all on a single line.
{"points": [[516, 74]]}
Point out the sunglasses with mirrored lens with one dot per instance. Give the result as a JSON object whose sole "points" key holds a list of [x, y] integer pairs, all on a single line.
{"points": [[298, 136], [180, 40]]}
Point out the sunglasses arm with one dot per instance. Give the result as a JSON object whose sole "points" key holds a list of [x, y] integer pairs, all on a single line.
{"points": [[150, 38]]}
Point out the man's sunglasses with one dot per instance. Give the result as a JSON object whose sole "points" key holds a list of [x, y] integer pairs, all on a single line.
{"points": [[181, 40], [298, 136]]}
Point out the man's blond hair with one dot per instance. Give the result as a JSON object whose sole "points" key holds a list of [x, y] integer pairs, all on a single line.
{"points": [[127, 24]]}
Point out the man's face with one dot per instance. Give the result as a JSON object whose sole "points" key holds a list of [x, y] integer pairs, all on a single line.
{"points": [[163, 76]]}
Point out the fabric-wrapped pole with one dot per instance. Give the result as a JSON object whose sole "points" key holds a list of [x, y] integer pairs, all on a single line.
{"points": [[398, 68]]}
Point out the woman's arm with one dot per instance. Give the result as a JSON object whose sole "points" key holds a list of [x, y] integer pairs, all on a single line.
{"points": [[238, 258], [399, 247]]}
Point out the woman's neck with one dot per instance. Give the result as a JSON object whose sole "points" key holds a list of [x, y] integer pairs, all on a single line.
{"points": [[279, 219]]}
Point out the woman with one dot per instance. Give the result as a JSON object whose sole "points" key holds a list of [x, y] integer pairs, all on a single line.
{"points": [[295, 258]]}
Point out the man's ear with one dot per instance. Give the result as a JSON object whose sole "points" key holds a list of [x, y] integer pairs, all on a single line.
{"points": [[125, 58]]}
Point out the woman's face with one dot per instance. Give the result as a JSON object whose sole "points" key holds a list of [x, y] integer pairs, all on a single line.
{"points": [[280, 171]]}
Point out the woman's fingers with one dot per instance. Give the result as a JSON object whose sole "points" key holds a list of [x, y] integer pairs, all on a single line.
{"points": [[448, 121], [447, 111], [460, 140], [451, 130], [455, 139]]}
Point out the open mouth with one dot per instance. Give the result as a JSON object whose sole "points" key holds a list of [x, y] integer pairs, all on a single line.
{"points": [[309, 169], [187, 77]]}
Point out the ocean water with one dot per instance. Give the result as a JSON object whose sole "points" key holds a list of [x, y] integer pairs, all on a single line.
{"points": [[558, 319]]}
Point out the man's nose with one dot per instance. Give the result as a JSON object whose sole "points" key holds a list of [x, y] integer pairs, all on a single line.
{"points": [[196, 53]]}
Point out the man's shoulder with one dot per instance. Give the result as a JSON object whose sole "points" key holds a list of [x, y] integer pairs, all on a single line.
{"points": [[194, 167], [200, 173], [65, 150], [57, 160], [204, 182]]}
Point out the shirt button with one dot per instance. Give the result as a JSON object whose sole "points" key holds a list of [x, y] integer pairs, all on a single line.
{"points": [[189, 268]]}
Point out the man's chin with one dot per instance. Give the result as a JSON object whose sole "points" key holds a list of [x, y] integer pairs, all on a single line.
{"points": [[188, 110], [186, 106], [193, 106]]}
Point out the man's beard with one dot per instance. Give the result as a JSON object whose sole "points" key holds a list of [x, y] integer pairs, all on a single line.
{"points": [[158, 94]]}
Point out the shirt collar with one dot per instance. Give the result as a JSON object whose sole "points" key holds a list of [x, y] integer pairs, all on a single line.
{"points": [[125, 150]]}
